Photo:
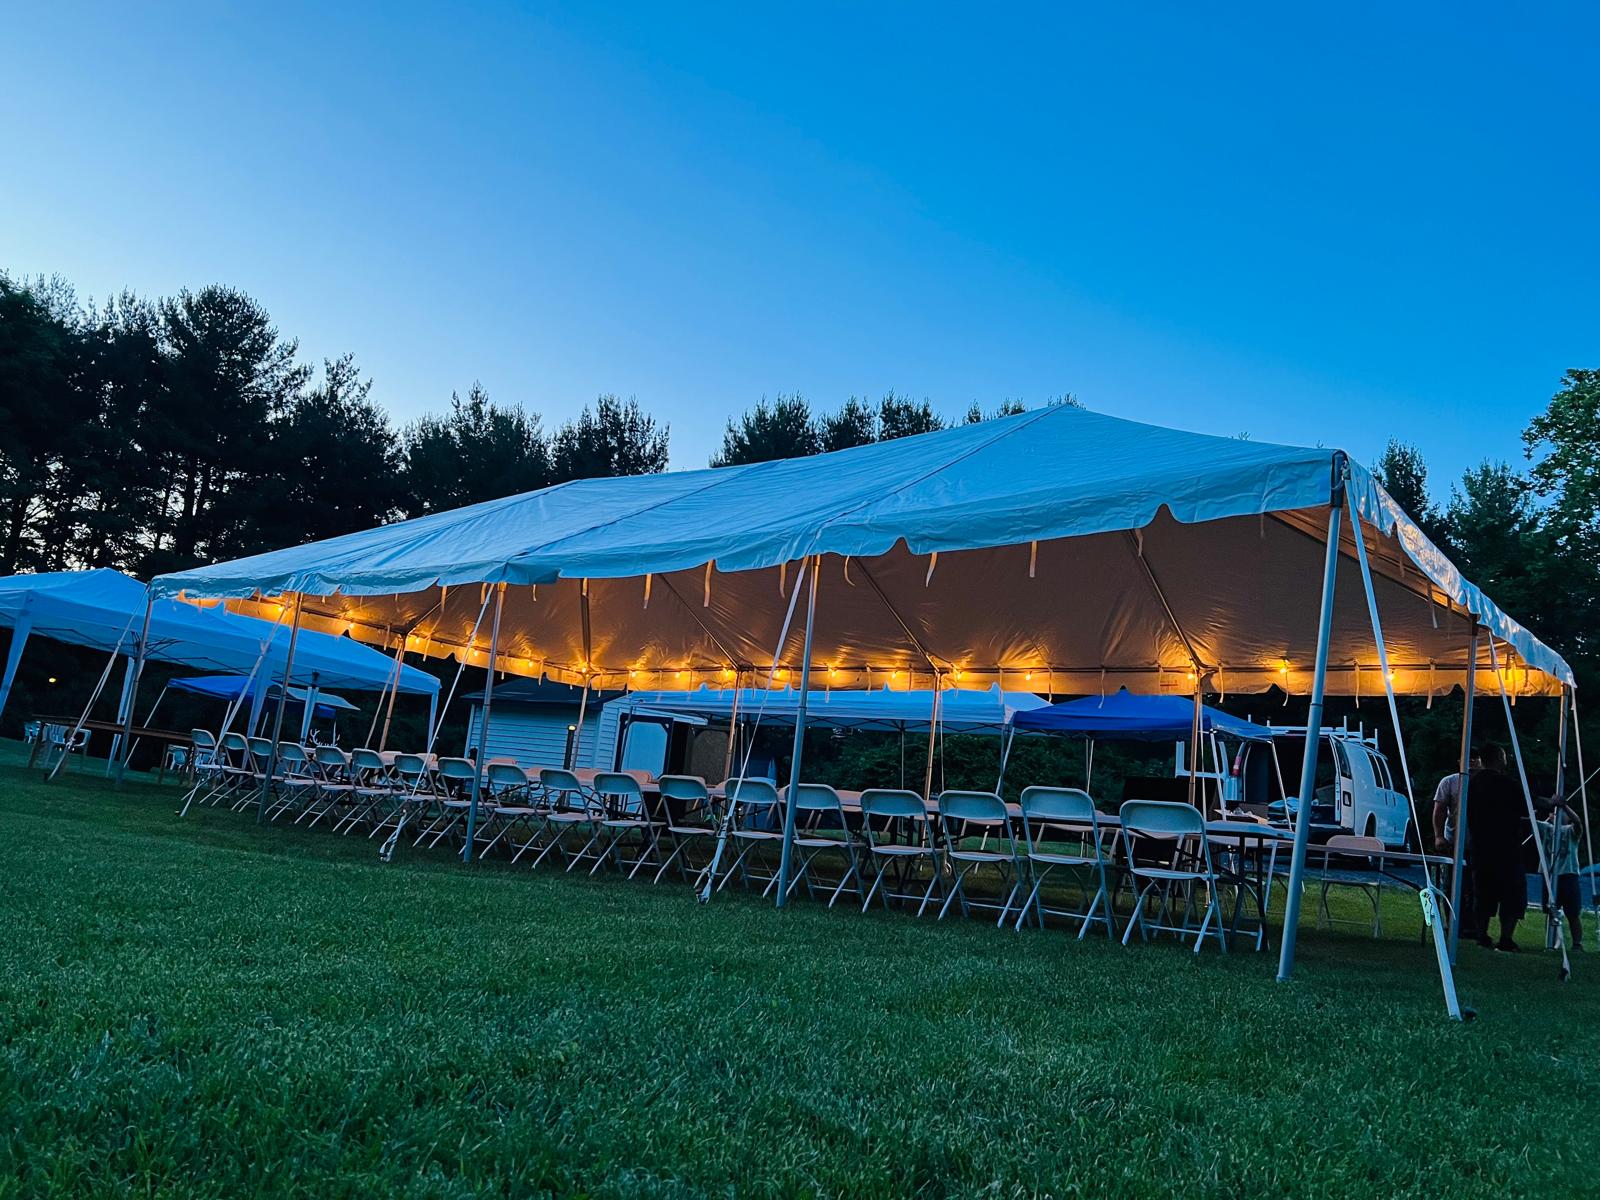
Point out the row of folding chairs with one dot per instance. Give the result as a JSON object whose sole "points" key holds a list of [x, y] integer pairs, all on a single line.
{"points": [[899, 850], [893, 848]]}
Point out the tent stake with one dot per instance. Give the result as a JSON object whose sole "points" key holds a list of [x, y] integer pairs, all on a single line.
{"points": [[1308, 767], [784, 860]]}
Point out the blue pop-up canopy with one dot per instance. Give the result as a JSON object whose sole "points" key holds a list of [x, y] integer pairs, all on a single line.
{"points": [[231, 687], [104, 610], [1123, 716]]}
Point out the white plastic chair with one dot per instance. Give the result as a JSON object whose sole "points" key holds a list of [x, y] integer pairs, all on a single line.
{"points": [[821, 829], [689, 815], [571, 812], [622, 798], [755, 815], [1185, 865], [963, 815], [1066, 817], [899, 812]]}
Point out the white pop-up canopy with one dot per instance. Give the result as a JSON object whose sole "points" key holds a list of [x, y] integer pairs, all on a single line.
{"points": [[1058, 550], [882, 710], [104, 610]]}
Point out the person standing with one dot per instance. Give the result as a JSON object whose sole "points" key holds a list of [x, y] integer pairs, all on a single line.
{"points": [[1497, 826], [1446, 811], [1559, 833]]}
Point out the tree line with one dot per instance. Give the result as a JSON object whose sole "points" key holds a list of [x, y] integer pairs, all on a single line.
{"points": [[152, 435]]}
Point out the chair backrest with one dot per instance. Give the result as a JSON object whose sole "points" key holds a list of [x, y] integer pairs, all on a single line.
{"points": [[816, 797], [1161, 818], [752, 793], [618, 783], [559, 779], [292, 755], [1345, 843], [411, 767], [234, 743], [459, 771], [331, 759], [203, 740], [683, 787], [893, 802], [260, 750], [505, 775], [975, 808], [1053, 805], [365, 759], [1043, 807]]}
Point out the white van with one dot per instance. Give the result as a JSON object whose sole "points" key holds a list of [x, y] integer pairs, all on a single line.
{"points": [[1355, 790]]}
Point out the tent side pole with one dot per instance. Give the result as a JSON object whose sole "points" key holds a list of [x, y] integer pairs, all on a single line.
{"points": [[309, 708], [1554, 912], [1583, 780], [933, 735], [785, 860], [133, 689], [19, 639], [733, 729], [1194, 742], [1458, 851], [1308, 768], [277, 719], [124, 706], [483, 725]]}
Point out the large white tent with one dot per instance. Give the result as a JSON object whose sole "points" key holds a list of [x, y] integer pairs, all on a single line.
{"points": [[1057, 550]]}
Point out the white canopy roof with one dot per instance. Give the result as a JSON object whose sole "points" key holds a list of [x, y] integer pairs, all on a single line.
{"points": [[104, 610], [1057, 550], [882, 709]]}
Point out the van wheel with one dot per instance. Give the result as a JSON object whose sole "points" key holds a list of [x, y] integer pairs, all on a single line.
{"points": [[1372, 827]]}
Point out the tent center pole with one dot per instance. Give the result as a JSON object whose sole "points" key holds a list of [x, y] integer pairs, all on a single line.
{"points": [[1308, 767], [277, 719], [478, 764], [1458, 852], [785, 860]]}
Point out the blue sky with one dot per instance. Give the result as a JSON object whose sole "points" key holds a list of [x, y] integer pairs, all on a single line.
{"points": [[1315, 228]]}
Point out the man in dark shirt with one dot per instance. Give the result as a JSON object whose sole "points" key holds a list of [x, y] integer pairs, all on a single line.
{"points": [[1497, 823]]}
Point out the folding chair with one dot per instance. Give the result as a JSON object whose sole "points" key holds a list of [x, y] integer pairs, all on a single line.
{"points": [[1063, 817], [622, 798], [416, 793], [755, 816], [456, 776], [296, 786], [689, 815], [963, 815], [508, 787], [1351, 862], [243, 776], [373, 788], [571, 812], [899, 811], [330, 768], [820, 829], [1185, 867]]}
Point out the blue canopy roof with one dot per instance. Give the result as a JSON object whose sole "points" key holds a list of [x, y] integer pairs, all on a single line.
{"points": [[230, 687], [1126, 717], [104, 609]]}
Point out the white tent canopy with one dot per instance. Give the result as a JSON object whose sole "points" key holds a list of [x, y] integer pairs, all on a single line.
{"points": [[881, 710], [104, 610], [1058, 550]]}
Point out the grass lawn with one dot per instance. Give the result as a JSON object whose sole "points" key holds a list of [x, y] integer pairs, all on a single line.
{"points": [[209, 1008]]}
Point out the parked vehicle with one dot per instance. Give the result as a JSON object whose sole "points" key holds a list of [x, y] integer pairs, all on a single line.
{"points": [[1355, 791]]}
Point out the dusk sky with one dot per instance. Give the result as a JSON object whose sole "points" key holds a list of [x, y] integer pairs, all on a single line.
{"points": [[1381, 221]]}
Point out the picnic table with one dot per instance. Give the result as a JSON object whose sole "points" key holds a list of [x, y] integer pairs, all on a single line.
{"points": [[173, 737]]}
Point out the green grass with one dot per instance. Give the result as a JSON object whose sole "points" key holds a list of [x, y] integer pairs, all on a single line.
{"points": [[207, 1008]]}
